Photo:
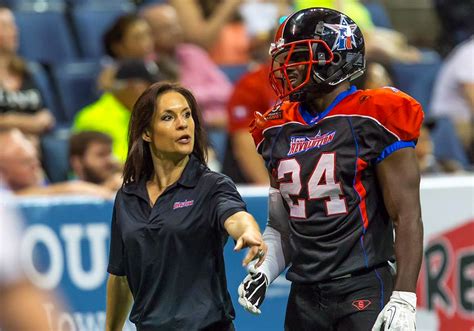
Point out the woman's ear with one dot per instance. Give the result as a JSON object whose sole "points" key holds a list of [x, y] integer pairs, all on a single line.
{"points": [[146, 136]]}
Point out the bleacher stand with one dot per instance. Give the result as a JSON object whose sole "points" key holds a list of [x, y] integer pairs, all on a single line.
{"points": [[90, 22], [48, 40], [75, 85]]}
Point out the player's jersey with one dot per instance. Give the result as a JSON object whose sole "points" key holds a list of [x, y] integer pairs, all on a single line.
{"points": [[325, 170]]}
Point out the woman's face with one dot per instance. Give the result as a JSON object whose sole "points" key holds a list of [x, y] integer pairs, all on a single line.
{"points": [[171, 135], [8, 32], [137, 41]]}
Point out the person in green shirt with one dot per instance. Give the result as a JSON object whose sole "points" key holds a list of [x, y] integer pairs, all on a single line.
{"points": [[110, 114]]}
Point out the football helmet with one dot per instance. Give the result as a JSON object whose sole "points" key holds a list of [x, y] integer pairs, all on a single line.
{"points": [[315, 49]]}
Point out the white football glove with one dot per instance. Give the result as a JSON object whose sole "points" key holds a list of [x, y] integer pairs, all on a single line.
{"points": [[252, 291], [398, 314]]}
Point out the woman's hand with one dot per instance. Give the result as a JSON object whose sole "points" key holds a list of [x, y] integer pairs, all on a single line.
{"points": [[257, 247], [244, 229]]}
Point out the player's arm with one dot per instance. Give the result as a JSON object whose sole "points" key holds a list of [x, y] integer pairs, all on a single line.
{"points": [[276, 235], [399, 178], [119, 300]]}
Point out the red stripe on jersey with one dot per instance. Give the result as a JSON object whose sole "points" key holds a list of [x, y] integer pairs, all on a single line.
{"points": [[359, 187]]}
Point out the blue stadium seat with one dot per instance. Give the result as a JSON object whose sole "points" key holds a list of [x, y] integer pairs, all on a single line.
{"points": [[45, 37], [36, 5], [76, 85], [55, 151], [234, 72], [102, 3], [90, 23], [447, 145], [378, 14], [417, 80], [42, 80]]}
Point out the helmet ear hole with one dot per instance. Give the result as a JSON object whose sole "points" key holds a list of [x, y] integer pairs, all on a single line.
{"points": [[337, 59]]}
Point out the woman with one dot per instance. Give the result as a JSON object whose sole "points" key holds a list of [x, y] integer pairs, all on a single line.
{"points": [[171, 220], [129, 37], [21, 103]]}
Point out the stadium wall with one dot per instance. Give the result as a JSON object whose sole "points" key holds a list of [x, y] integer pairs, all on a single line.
{"points": [[66, 240]]}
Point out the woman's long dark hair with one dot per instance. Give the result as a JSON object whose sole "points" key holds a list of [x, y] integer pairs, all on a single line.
{"points": [[139, 162]]}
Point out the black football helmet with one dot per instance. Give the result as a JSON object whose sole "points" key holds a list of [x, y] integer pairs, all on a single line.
{"points": [[326, 42]]}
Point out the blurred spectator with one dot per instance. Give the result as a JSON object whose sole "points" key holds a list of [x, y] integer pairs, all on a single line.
{"points": [[453, 94], [426, 159], [91, 159], [21, 104], [111, 113], [376, 75], [424, 153], [456, 21], [21, 303], [231, 45], [188, 64], [261, 16], [128, 38], [20, 166], [252, 93], [381, 44], [203, 21]]}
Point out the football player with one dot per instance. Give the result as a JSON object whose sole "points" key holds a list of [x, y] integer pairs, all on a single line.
{"points": [[344, 176]]}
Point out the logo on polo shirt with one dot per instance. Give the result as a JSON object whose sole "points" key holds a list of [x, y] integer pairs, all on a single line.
{"points": [[183, 204]]}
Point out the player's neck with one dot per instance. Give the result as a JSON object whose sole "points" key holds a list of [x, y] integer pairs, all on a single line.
{"points": [[319, 102]]}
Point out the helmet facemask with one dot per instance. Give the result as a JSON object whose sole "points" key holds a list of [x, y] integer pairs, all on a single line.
{"points": [[296, 64]]}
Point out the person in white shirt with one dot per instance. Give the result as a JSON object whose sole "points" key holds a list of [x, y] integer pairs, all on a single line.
{"points": [[453, 94]]}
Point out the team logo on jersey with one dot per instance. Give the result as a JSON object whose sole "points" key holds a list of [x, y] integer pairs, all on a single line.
{"points": [[361, 304], [183, 204], [301, 144], [275, 114], [345, 36]]}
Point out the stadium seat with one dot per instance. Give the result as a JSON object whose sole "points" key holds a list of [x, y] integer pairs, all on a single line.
{"points": [[45, 37], [43, 82], [447, 145], [378, 14], [55, 151], [37, 5], [417, 80], [125, 4], [90, 23], [76, 85], [218, 142], [234, 72]]}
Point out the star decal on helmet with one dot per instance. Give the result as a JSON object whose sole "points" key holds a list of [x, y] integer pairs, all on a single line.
{"points": [[345, 36]]}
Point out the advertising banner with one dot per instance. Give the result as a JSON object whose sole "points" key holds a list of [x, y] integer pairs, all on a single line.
{"points": [[66, 241]]}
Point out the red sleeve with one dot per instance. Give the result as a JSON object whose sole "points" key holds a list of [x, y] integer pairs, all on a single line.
{"points": [[397, 112], [252, 93], [243, 103]]}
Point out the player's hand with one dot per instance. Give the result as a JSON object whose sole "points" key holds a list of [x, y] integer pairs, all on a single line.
{"points": [[398, 314], [252, 291]]}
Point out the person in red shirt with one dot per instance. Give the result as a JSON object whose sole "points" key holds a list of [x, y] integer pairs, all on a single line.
{"points": [[251, 93]]}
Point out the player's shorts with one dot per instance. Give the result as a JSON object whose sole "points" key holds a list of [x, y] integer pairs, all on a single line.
{"points": [[220, 326], [344, 304]]}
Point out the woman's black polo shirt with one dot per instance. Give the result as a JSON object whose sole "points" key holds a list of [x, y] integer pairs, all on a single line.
{"points": [[172, 254]]}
